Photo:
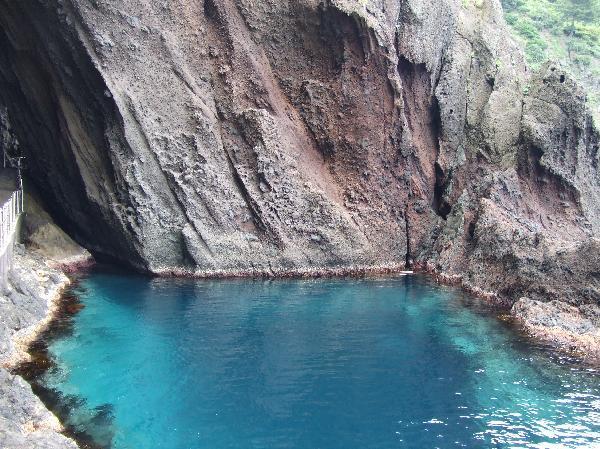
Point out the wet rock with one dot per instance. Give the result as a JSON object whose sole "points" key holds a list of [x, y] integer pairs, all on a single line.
{"points": [[24, 421], [561, 324], [554, 314]]}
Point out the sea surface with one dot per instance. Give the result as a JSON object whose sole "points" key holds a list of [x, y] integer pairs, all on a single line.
{"points": [[307, 364]]}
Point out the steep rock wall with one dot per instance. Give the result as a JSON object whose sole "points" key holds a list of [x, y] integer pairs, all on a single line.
{"points": [[240, 136]]}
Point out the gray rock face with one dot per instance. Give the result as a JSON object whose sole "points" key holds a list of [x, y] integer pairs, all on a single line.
{"points": [[242, 136], [27, 301]]}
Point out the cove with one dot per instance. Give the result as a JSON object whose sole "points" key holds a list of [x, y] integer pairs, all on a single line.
{"points": [[369, 363]]}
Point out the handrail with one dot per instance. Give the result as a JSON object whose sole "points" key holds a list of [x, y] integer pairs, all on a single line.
{"points": [[9, 216]]}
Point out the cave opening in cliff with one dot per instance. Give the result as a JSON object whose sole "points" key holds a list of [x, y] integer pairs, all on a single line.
{"points": [[57, 104]]}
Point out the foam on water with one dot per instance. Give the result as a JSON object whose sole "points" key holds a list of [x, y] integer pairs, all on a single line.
{"points": [[384, 363]]}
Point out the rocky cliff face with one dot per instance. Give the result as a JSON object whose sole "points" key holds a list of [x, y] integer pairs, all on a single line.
{"points": [[275, 136]]}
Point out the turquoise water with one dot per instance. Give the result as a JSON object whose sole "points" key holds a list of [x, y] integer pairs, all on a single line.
{"points": [[383, 363]]}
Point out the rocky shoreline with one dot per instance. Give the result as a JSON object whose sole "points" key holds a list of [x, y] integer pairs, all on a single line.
{"points": [[26, 309], [561, 325], [565, 327], [36, 286]]}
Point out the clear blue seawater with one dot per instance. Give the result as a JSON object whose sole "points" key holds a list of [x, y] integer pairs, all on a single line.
{"points": [[375, 363]]}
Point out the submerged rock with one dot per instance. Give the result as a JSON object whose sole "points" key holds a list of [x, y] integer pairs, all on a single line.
{"points": [[24, 421]]}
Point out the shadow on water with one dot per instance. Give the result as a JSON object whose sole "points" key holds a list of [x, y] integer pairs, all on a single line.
{"points": [[91, 428]]}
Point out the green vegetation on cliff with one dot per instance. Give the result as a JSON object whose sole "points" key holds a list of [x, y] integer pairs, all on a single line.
{"points": [[567, 31]]}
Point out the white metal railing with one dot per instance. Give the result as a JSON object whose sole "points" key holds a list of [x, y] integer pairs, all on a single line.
{"points": [[9, 216]]}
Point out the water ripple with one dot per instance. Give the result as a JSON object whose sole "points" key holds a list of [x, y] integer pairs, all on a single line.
{"points": [[386, 363]]}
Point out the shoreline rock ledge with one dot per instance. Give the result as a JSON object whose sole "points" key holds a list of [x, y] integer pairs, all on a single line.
{"points": [[565, 326], [26, 308], [30, 302]]}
